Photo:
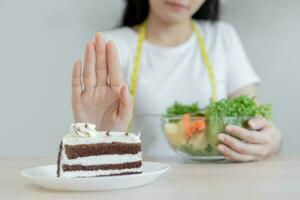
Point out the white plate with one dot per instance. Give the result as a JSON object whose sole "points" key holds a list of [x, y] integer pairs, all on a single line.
{"points": [[188, 157], [45, 176], [207, 158]]}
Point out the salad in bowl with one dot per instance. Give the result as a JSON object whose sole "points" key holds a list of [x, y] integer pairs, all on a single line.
{"points": [[192, 132]]}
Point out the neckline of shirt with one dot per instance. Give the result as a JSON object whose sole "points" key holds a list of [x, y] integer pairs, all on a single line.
{"points": [[165, 49]]}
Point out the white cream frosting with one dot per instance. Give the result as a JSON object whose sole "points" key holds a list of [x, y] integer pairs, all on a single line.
{"points": [[83, 130], [85, 133]]}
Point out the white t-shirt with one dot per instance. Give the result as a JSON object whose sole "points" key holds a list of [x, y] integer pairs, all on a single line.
{"points": [[169, 74]]}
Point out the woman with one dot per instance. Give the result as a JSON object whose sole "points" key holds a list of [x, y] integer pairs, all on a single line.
{"points": [[158, 54]]}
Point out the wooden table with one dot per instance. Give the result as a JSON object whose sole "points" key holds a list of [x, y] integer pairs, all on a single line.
{"points": [[274, 178]]}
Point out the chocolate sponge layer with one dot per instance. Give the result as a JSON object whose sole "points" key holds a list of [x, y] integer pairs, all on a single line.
{"points": [[84, 150], [119, 166]]}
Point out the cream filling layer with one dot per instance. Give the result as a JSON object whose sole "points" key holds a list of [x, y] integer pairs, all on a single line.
{"points": [[102, 159]]}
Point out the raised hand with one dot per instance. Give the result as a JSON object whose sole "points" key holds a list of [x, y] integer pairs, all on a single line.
{"points": [[99, 94]]}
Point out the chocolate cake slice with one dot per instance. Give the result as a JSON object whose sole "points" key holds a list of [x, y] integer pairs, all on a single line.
{"points": [[86, 152]]}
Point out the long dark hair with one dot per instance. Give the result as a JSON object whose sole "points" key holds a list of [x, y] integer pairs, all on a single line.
{"points": [[136, 11]]}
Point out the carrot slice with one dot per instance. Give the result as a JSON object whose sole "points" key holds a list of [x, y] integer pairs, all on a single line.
{"points": [[186, 120], [197, 126], [200, 124], [190, 128]]}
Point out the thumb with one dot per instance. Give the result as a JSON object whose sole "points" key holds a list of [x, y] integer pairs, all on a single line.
{"points": [[126, 104]]}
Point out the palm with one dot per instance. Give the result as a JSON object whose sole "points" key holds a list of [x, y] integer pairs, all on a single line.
{"points": [[102, 98]]}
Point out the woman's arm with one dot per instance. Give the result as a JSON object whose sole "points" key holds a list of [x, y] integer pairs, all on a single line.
{"points": [[242, 145]]}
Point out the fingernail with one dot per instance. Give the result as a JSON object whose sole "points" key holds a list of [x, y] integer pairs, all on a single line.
{"points": [[252, 123], [221, 137], [220, 148], [228, 128], [110, 42], [98, 34]]}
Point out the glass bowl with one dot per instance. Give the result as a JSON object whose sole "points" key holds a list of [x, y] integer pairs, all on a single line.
{"points": [[195, 138]]}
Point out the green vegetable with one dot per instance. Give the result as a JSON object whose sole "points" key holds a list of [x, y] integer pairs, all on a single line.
{"points": [[240, 106], [235, 111], [181, 109], [215, 125]]}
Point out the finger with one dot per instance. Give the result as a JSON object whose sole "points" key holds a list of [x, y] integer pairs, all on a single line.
{"points": [[242, 147], [76, 82], [258, 123], [246, 135], [125, 108], [235, 156], [101, 67], [114, 67], [89, 77]]}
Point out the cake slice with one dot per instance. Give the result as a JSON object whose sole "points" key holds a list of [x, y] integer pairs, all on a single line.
{"points": [[85, 152]]}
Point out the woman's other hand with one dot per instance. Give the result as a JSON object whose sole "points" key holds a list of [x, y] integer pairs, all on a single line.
{"points": [[99, 93], [256, 143]]}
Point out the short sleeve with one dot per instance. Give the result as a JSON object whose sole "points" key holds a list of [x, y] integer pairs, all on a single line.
{"points": [[239, 70]]}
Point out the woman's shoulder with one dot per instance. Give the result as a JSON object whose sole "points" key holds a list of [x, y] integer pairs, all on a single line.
{"points": [[219, 26], [222, 32]]}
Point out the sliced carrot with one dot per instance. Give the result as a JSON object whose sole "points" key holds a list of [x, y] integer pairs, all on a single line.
{"points": [[197, 126], [191, 128], [200, 124], [186, 120]]}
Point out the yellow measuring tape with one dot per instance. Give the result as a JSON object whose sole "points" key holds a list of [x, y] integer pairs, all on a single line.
{"points": [[137, 60], [207, 62], [204, 54]]}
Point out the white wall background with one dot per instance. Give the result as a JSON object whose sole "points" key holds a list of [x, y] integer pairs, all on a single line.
{"points": [[39, 40]]}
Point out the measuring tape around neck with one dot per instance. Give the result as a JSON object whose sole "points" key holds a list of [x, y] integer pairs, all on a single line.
{"points": [[204, 54]]}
